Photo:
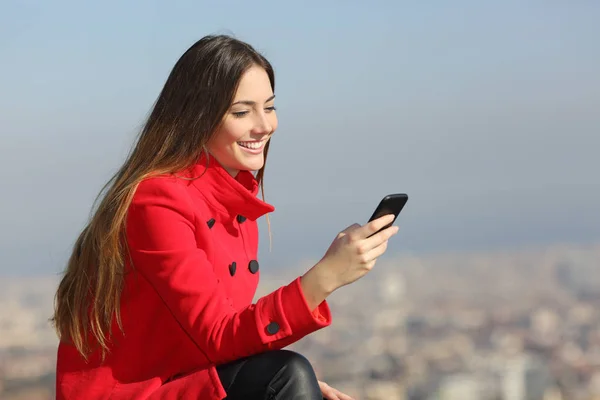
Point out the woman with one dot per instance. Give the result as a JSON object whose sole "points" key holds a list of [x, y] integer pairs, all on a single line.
{"points": [[156, 301]]}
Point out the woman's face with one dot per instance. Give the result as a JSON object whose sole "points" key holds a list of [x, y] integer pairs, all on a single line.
{"points": [[249, 123]]}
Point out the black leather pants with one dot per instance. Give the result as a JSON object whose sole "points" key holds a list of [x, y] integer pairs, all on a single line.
{"points": [[274, 375]]}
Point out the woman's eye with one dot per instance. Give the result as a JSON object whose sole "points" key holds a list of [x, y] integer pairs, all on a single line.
{"points": [[239, 114], [272, 108]]}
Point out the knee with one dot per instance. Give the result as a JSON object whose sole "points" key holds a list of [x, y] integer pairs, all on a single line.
{"points": [[297, 367], [295, 379]]}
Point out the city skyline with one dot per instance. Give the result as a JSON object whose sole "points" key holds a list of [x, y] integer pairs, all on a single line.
{"points": [[450, 326]]}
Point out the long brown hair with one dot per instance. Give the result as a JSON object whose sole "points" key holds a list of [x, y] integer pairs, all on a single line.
{"points": [[188, 111]]}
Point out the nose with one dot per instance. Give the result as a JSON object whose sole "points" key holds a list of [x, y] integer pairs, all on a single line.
{"points": [[262, 124]]}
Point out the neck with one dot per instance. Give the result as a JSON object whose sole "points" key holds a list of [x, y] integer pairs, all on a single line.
{"points": [[231, 171]]}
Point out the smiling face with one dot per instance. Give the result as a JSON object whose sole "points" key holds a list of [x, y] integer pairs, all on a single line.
{"points": [[239, 143]]}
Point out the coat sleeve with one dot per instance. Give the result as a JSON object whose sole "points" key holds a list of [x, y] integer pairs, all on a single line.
{"points": [[161, 237]]}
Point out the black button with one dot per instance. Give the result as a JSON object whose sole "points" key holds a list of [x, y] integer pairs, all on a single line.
{"points": [[272, 328], [210, 222], [253, 266], [241, 218], [232, 268]]}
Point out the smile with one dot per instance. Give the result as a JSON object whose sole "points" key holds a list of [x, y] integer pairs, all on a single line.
{"points": [[253, 146]]}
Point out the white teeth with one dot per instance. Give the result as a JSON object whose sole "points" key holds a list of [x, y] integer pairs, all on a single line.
{"points": [[251, 145]]}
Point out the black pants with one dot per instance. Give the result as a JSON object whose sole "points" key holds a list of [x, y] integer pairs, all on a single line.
{"points": [[274, 375]]}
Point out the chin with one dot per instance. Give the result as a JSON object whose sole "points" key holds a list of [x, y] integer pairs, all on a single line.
{"points": [[253, 164]]}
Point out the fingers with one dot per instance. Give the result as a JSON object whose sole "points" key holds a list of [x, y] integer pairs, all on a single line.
{"points": [[380, 237], [330, 393], [374, 253], [373, 227], [365, 247], [342, 396], [327, 391]]}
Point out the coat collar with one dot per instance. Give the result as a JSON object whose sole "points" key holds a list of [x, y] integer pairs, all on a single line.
{"points": [[230, 196]]}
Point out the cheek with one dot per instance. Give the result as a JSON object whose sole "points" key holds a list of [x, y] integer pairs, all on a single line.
{"points": [[230, 137], [221, 143], [229, 134]]}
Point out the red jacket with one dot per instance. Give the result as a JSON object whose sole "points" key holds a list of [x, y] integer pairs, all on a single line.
{"points": [[187, 304]]}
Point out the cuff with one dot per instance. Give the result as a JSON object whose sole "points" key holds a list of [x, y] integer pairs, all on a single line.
{"points": [[285, 312]]}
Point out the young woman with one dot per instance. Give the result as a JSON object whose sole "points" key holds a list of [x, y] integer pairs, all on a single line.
{"points": [[156, 301]]}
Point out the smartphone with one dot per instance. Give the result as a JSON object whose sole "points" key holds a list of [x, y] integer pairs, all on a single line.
{"points": [[390, 204]]}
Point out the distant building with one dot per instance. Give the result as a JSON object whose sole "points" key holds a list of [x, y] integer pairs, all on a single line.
{"points": [[525, 378], [463, 387]]}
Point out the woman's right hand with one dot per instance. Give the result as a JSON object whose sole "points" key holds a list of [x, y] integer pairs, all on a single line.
{"points": [[350, 256]]}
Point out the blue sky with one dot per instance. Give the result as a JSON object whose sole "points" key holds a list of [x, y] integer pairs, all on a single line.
{"points": [[485, 114]]}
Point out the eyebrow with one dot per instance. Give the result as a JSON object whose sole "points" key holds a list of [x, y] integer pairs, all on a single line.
{"points": [[250, 102]]}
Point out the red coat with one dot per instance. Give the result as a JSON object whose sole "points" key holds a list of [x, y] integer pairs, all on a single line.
{"points": [[187, 306]]}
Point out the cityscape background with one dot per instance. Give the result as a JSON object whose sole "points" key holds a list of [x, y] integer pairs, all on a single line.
{"points": [[487, 115]]}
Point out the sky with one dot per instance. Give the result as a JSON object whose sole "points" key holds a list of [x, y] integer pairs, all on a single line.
{"points": [[487, 114]]}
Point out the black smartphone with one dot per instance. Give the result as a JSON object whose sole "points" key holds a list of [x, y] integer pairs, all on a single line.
{"points": [[390, 204]]}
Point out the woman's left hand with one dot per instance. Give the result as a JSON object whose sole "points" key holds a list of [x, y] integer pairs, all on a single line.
{"points": [[330, 393]]}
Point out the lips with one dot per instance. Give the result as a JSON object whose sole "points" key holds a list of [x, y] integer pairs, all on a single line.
{"points": [[254, 145]]}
